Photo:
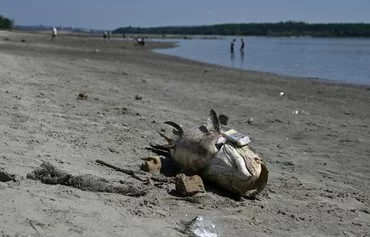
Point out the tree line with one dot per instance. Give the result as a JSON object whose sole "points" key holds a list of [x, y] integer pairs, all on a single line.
{"points": [[5, 23], [289, 28]]}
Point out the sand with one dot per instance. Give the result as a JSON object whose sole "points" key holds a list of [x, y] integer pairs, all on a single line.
{"points": [[315, 141]]}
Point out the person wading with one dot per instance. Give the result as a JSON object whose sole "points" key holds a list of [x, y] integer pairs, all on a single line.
{"points": [[242, 45], [232, 46]]}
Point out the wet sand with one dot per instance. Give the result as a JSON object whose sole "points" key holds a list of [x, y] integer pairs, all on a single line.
{"points": [[315, 141]]}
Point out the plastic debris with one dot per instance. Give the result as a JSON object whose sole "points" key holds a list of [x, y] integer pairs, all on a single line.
{"points": [[200, 227], [236, 137]]}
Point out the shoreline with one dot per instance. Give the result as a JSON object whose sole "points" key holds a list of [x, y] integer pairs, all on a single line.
{"points": [[154, 45], [315, 141], [287, 74], [294, 77]]}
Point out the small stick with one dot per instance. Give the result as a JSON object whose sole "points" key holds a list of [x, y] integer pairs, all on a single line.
{"points": [[126, 171], [134, 173]]}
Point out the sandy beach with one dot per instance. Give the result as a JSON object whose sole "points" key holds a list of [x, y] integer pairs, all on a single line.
{"points": [[315, 141]]}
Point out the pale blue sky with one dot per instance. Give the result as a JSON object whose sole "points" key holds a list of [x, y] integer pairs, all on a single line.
{"points": [[110, 14]]}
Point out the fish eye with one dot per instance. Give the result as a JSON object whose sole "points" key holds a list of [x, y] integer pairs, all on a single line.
{"points": [[203, 128]]}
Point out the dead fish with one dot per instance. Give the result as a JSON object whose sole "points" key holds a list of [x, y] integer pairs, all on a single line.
{"points": [[191, 149], [238, 170]]}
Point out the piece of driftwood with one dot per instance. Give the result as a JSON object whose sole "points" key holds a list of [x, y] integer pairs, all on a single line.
{"points": [[49, 174], [196, 150], [134, 174]]}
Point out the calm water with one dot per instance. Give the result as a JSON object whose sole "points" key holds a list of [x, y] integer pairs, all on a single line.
{"points": [[345, 60]]}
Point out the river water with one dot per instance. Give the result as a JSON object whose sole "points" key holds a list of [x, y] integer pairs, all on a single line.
{"points": [[346, 60]]}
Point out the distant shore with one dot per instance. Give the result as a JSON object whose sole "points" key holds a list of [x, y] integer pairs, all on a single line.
{"points": [[287, 28]]}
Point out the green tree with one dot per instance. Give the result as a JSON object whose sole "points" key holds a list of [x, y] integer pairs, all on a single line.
{"points": [[288, 28], [5, 23]]}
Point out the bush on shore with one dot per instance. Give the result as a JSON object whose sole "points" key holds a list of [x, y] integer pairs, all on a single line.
{"points": [[6, 23]]}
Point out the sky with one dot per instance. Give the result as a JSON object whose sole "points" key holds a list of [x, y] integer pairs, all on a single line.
{"points": [[111, 14]]}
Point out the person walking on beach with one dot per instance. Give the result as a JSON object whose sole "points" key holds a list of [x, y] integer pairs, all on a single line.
{"points": [[232, 46], [242, 44], [54, 33]]}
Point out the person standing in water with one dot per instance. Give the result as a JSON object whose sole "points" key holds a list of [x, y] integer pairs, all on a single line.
{"points": [[242, 45], [232, 46]]}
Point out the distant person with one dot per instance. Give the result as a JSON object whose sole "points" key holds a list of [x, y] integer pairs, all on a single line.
{"points": [[54, 33], [232, 46], [140, 41], [242, 45], [105, 35]]}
